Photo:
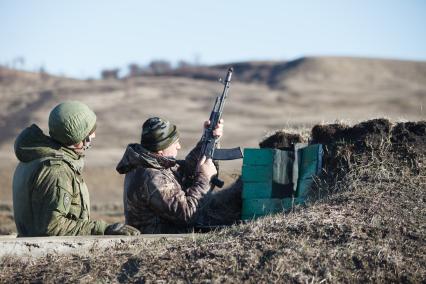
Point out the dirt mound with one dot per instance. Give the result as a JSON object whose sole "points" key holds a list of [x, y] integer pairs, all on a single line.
{"points": [[345, 145], [372, 131], [409, 142], [281, 140]]}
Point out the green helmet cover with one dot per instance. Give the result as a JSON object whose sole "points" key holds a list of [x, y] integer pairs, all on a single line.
{"points": [[70, 122]]}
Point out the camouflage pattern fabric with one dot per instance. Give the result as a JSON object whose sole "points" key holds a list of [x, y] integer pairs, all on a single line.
{"points": [[50, 197], [158, 134], [160, 194]]}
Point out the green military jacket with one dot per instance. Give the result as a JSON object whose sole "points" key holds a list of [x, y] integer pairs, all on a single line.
{"points": [[50, 197]]}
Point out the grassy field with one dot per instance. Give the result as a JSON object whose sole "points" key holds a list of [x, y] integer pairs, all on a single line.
{"points": [[365, 222]]}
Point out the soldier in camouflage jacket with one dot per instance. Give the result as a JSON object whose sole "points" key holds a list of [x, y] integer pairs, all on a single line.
{"points": [[162, 195]]}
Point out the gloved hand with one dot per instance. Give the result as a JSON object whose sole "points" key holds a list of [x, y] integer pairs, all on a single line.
{"points": [[207, 168], [121, 229]]}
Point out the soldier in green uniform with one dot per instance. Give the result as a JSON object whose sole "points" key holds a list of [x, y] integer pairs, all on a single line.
{"points": [[50, 196]]}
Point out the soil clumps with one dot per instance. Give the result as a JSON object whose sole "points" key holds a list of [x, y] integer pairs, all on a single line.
{"points": [[281, 140]]}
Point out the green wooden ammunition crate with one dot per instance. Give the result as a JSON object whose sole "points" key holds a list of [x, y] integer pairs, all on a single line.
{"points": [[257, 173], [267, 165], [310, 161], [255, 156], [309, 166], [268, 176], [304, 187], [255, 190], [311, 153], [298, 201], [270, 189]]}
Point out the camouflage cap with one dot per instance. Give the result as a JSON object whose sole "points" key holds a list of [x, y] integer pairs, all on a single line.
{"points": [[158, 134], [70, 122]]}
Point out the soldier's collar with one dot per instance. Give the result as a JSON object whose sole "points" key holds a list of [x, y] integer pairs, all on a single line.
{"points": [[75, 162]]}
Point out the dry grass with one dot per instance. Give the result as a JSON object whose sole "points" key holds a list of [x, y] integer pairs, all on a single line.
{"points": [[369, 227]]}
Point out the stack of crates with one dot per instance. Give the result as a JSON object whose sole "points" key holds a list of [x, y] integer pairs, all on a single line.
{"points": [[276, 180]]}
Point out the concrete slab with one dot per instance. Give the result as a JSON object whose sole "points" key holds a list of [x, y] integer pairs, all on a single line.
{"points": [[80, 245]]}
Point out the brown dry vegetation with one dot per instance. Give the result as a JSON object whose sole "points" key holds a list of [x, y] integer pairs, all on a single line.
{"points": [[366, 218], [365, 223]]}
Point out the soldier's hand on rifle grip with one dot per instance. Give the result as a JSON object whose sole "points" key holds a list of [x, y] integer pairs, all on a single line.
{"points": [[218, 131], [206, 168]]}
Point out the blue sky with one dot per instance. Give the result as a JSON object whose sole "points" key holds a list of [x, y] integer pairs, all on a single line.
{"points": [[79, 38]]}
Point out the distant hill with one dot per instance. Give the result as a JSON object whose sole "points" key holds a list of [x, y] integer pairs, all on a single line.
{"points": [[253, 72], [10, 76], [344, 71], [305, 90], [341, 71]]}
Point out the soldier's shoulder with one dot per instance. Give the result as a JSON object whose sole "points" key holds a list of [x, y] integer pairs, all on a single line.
{"points": [[52, 176], [58, 165], [55, 169], [150, 172], [159, 179]]}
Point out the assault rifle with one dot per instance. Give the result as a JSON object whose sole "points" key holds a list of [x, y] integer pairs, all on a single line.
{"points": [[209, 146]]}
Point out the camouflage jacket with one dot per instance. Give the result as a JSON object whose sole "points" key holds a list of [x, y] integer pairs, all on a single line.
{"points": [[160, 194], [50, 197]]}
